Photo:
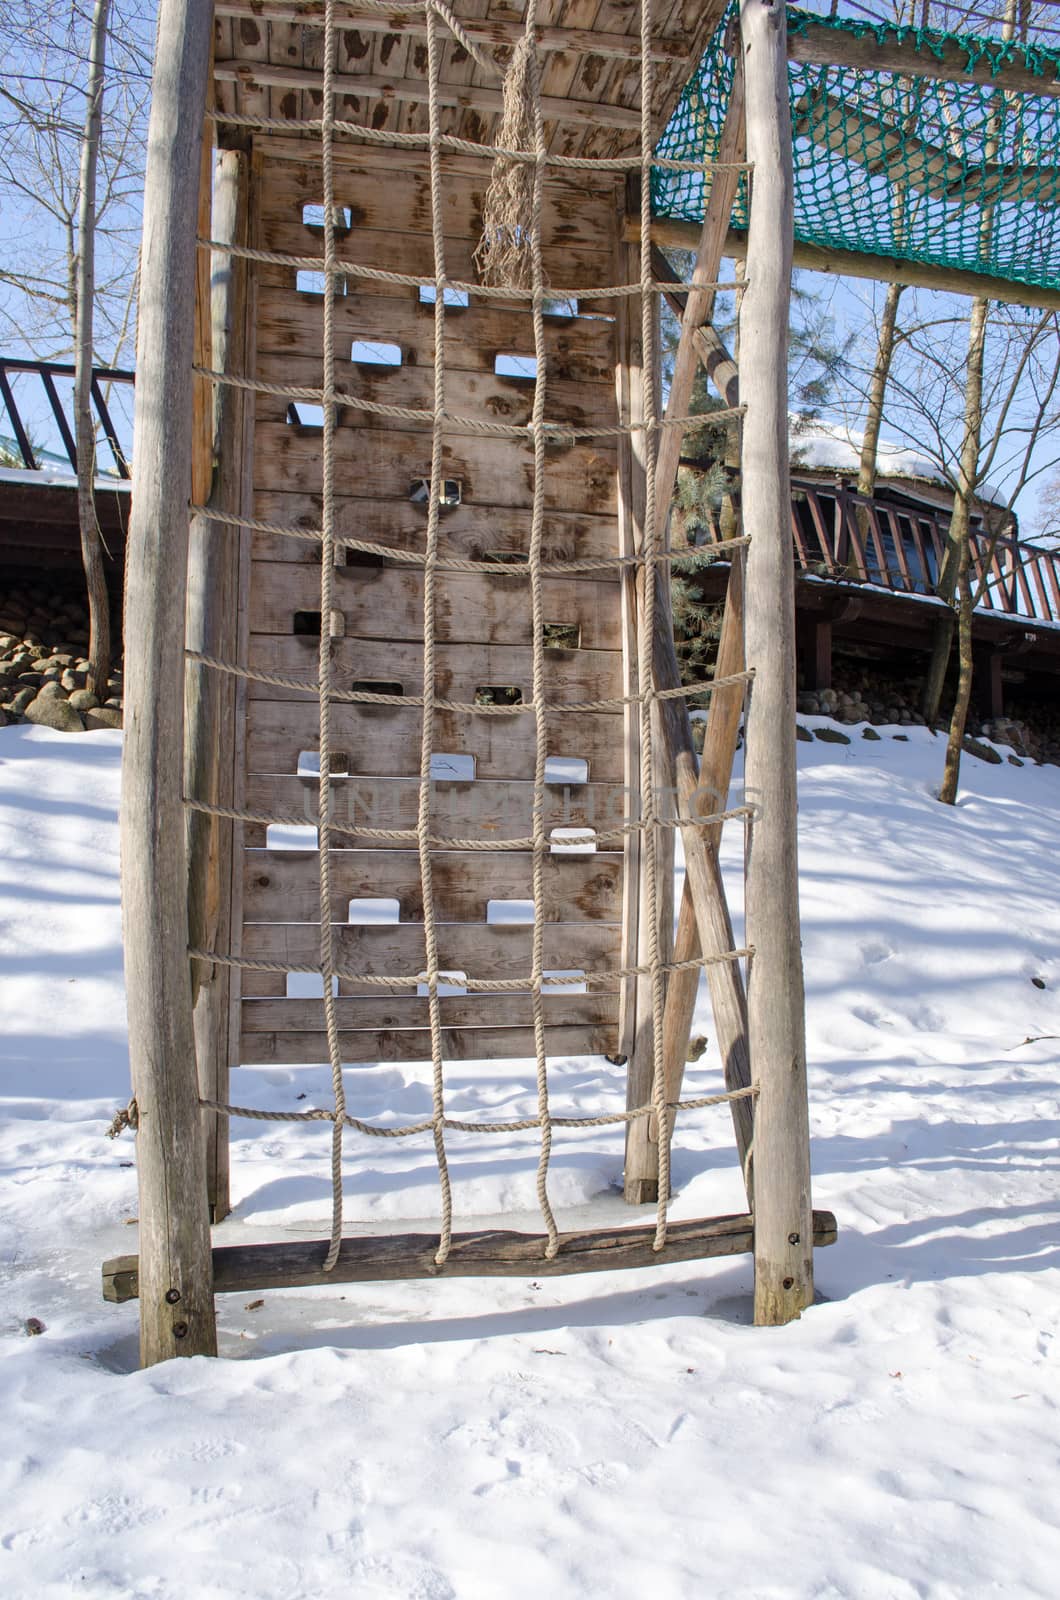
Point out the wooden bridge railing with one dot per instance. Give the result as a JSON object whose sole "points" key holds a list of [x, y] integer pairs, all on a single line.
{"points": [[47, 372], [838, 533]]}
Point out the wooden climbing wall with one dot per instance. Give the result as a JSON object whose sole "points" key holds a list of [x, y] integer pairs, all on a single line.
{"points": [[483, 767]]}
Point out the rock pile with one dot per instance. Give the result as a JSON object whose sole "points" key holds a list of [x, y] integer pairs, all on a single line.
{"points": [[43, 659]]}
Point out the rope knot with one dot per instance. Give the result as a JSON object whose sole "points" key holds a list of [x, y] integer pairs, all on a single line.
{"points": [[127, 1117]]}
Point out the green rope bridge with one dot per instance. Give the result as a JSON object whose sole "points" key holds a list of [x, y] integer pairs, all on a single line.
{"points": [[959, 175]]}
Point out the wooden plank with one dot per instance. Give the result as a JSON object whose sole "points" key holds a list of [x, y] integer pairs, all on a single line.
{"points": [[177, 1313], [775, 1003], [358, 89], [380, 463], [460, 670], [581, 399], [411, 1044], [938, 57], [481, 951], [488, 33], [281, 886], [573, 214], [475, 333], [239, 1269], [385, 741], [468, 531], [387, 603], [483, 810], [575, 267], [399, 1011]]}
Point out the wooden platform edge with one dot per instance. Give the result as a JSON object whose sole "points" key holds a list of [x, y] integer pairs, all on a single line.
{"points": [[492, 1253]]}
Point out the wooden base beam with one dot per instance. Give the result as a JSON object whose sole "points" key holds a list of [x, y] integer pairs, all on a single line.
{"points": [[493, 1253], [878, 269]]}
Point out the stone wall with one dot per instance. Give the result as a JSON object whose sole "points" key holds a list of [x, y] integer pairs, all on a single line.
{"points": [[43, 656]]}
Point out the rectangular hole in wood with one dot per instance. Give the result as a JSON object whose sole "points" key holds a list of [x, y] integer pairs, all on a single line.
{"points": [[307, 624], [310, 282], [367, 560], [572, 842], [507, 364], [314, 214], [454, 299], [375, 353], [449, 983], [509, 913], [309, 764], [498, 694], [566, 769], [420, 492], [564, 988], [561, 635], [565, 308], [290, 836], [376, 686], [301, 414], [308, 986], [374, 913], [452, 768]]}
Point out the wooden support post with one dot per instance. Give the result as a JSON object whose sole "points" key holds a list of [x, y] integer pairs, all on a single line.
{"points": [[679, 768], [783, 1228], [724, 983], [176, 1275], [213, 574]]}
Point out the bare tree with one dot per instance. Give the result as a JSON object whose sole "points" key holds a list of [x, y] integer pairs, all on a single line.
{"points": [[71, 181]]}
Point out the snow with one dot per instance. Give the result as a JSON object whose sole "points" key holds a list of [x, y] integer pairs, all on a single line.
{"points": [[616, 1435]]}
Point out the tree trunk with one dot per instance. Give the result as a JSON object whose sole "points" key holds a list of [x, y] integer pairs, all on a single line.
{"points": [[877, 389], [99, 647], [957, 538], [952, 771]]}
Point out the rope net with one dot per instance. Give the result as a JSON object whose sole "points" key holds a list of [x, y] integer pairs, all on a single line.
{"points": [[511, 266], [952, 174]]}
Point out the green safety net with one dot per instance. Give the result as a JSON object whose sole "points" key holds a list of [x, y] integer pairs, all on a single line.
{"points": [[959, 175]]}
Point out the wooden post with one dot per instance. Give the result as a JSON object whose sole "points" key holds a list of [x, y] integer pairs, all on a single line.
{"points": [[176, 1285], [783, 1230], [724, 983], [677, 764], [213, 575]]}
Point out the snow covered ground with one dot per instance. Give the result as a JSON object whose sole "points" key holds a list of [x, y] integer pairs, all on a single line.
{"points": [[610, 1436]]}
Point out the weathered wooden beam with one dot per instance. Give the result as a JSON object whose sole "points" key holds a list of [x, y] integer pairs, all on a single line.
{"points": [[943, 59], [240, 1268], [715, 776], [775, 1002], [486, 33], [857, 264], [700, 296], [176, 1307], [414, 91], [677, 764], [710, 347]]}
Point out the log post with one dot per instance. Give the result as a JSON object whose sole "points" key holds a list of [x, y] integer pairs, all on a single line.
{"points": [[783, 1226], [213, 580], [176, 1283]]}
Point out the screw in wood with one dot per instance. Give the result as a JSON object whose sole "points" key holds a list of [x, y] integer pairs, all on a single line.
{"points": [[789, 1283], [172, 1296], [793, 1238], [180, 1330]]}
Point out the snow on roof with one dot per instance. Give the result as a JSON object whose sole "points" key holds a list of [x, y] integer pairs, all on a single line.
{"points": [[831, 446]]}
